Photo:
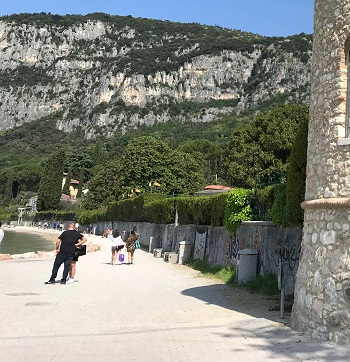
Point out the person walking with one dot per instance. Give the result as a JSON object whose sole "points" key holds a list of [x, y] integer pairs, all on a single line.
{"points": [[73, 265], [117, 244], [65, 250], [131, 246], [2, 233]]}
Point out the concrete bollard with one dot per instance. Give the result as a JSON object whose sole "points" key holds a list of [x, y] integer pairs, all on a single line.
{"points": [[150, 247], [184, 251], [157, 253]]}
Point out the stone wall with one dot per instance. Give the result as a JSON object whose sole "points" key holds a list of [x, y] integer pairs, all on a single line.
{"points": [[321, 303]]}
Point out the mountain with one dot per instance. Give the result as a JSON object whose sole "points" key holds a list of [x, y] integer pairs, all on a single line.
{"points": [[101, 74]]}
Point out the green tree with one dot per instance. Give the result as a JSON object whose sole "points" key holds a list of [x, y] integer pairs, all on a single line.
{"points": [[257, 153], [296, 175], [207, 152], [149, 165], [148, 159], [50, 187], [99, 152], [104, 187]]}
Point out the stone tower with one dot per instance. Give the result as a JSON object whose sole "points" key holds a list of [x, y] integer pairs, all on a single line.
{"points": [[322, 296]]}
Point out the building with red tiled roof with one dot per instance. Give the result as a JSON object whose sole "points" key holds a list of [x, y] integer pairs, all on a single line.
{"points": [[213, 190]]}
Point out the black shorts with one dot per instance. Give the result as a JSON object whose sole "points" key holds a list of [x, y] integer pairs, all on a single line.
{"points": [[75, 258]]}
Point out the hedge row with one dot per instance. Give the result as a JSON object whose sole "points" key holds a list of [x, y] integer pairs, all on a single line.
{"points": [[55, 215], [228, 209], [207, 210]]}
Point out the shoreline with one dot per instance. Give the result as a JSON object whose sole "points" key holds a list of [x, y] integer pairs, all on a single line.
{"points": [[94, 243]]}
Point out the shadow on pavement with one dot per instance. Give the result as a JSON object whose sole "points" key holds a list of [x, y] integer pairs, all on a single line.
{"points": [[236, 299], [283, 344], [260, 333]]}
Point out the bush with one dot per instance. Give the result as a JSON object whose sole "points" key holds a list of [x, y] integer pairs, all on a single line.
{"points": [[65, 215], [263, 284], [237, 208], [160, 211], [224, 273], [127, 210], [206, 210], [86, 217], [261, 203], [279, 210]]}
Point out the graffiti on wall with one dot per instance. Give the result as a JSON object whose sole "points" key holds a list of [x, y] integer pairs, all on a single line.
{"points": [[200, 245]]}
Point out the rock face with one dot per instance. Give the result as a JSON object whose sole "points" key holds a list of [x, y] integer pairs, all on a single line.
{"points": [[322, 293], [101, 73]]}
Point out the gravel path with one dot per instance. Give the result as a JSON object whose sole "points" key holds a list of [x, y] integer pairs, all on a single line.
{"points": [[150, 311]]}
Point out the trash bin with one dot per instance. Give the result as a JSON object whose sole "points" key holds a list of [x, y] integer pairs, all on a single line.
{"points": [[247, 266]]}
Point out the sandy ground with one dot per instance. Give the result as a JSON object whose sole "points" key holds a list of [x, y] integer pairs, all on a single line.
{"points": [[150, 311]]}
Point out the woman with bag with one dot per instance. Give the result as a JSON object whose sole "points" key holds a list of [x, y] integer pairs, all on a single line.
{"points": [[120, 246], [117, 244], [132, 244]]}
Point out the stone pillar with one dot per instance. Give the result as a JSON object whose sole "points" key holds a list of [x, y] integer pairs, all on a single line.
{"points": [[185, 250], [322, 294]]}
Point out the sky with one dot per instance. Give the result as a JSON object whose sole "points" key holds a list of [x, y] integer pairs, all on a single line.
{"points": [[265, 17]]}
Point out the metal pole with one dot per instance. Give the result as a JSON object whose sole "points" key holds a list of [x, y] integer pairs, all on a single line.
{"points": [[282, 290]]}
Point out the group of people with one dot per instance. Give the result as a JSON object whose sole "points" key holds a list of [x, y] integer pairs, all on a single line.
{"points": [[118, 245], [70, 244], [49, 225], [68, 247]]}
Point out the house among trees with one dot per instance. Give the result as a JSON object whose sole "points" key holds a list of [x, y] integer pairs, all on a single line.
{"points": [[69, 190]]}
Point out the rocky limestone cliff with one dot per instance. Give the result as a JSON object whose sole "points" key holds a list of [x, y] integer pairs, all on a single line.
{"points": [[103, 74]]}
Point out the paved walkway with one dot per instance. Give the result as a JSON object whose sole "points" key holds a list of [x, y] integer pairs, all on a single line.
{"points": [[150, 311]]}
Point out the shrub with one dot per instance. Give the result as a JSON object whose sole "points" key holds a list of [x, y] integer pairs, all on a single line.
{"points": [[279, 210], [126, 210], [237, 209], [261, 203], [55, 215], [161, 211], [86, 217], [207, 210], [224, 273], [263, 284], [156, 208]]}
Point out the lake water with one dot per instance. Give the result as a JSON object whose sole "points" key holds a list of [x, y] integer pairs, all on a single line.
{"points": [[20, 243]]}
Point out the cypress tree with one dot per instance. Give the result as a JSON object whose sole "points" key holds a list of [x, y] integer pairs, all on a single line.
{"points": [[296, 175], [50, 188]]}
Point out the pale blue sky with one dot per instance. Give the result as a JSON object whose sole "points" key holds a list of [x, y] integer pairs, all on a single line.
{"points": [[265, 17]]}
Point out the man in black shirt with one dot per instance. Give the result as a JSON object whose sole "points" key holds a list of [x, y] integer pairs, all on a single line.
{"points": [[65, 250]]}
